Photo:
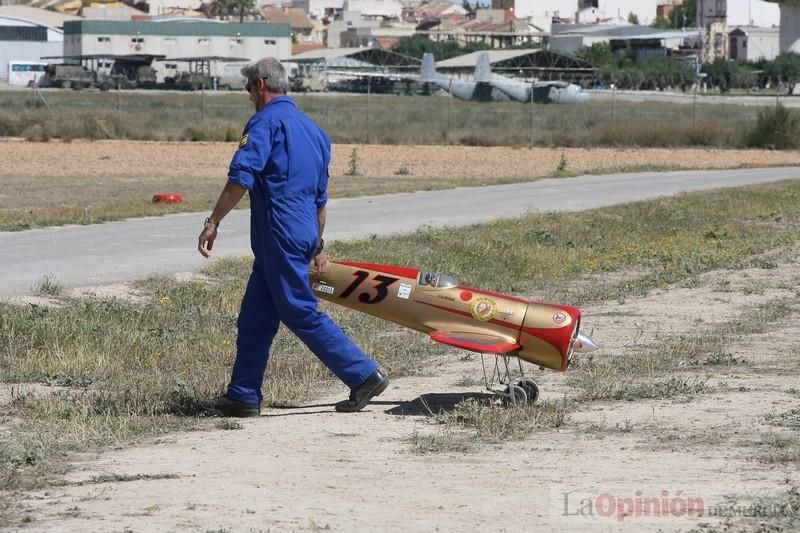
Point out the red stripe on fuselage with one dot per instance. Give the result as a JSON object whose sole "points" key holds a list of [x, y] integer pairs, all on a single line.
{"points": [[386, 269]]}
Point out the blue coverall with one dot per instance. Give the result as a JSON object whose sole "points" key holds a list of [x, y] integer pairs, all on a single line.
{"points": [[282, 161]]}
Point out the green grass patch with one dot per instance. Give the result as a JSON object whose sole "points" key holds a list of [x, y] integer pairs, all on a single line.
{"points": [[651, 244], [474, 422], [789, 419]]}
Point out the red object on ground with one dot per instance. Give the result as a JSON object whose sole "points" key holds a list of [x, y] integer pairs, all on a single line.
{"points": [[167, 198]]}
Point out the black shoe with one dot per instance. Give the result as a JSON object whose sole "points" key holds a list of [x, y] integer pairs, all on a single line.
{"points": [[224, 406], [360, 397]]}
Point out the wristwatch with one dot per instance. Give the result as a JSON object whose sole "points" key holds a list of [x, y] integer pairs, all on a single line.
{"points": [[207, 223], [320, 246]]}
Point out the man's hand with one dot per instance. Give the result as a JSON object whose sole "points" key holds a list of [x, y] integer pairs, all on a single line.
{"points": [[206, 241], [321, 262]]}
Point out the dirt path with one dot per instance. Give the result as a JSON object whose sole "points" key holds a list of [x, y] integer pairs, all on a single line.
{"points": [[310, 468]]}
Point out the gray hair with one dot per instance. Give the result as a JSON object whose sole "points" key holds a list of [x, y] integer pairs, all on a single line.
{"points": [[271, 71]]}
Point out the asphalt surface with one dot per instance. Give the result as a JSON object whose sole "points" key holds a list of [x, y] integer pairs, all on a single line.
{"points": [[118, 251]]}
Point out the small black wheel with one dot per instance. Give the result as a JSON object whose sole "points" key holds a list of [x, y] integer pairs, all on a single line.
{"points": [[515, 395], [531, 389]]}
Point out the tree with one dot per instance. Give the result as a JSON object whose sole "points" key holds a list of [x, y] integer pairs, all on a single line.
{"points": [[721, 73], [661, 23], [633, 18], [785, 69], [682, 16], [417, 45], [221, 8], [242, 7], [599, 55]]}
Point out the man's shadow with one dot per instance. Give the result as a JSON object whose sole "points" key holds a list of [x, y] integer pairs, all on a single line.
{"points": [[432, 404]]}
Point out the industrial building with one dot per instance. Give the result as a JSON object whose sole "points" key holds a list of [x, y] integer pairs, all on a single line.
{"points": [[28, 33], [524, 64], [186, 38], [643, 40]]}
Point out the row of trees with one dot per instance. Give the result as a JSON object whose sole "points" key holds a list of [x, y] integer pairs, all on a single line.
{"points": [[417, 45], [627, 72]]}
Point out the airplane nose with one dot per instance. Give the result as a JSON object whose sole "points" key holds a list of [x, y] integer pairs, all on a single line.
{"points": [[583, 344]]}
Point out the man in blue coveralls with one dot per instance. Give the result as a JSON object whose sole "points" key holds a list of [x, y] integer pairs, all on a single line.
{"points": [[282, 161]]}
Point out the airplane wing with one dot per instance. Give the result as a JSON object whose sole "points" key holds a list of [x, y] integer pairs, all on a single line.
{"points": [[475, 342], [396, 76]]}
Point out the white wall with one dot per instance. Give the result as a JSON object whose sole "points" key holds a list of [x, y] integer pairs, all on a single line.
{"points": [[644, 9], [762, 46], [251, 48], [26, 51]]}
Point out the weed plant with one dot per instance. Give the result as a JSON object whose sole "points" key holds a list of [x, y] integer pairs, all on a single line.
{"points": [[776, 128]]}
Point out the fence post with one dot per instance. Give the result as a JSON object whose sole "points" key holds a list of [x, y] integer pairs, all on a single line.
{"points": [[694, 106], [369, 101], [530, 139], [203, 99], [449, 109], [613, 103]]}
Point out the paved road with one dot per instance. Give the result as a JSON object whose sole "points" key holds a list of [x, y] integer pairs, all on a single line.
{"points": [[753, 100], [118, 251]]}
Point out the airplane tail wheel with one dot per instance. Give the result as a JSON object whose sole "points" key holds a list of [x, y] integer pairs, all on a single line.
{"points": [[515, 395], [531, 389]]}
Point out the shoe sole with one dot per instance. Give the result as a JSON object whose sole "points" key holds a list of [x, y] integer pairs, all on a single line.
{"points": [[363, 403]]}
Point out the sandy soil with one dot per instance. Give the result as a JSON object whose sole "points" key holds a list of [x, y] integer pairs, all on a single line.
{"points": [[98, 159], [309, 468]]}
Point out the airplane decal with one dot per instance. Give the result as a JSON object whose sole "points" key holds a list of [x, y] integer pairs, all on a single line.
{"points": [[382, 288]]}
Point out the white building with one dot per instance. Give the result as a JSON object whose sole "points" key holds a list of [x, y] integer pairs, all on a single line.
{"points": [[588, 11], [29, 33], [189, 38], [751, 43], [569, 38], [388, 9]]}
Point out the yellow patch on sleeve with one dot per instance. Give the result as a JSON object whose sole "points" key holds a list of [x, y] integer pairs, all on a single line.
{"points": [[243, 140]]}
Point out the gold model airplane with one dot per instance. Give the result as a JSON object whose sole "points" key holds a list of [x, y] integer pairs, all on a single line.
{"points": [[471, 319]]}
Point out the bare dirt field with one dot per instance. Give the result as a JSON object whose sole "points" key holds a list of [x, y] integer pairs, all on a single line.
{"points": [[702, 456], [91, 181]]}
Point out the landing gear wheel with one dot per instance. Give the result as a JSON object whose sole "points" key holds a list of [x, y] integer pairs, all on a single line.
{"points": [[515, 395], [531, 389]]}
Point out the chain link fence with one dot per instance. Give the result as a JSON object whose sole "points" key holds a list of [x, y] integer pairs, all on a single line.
{"points": [[614, 117]]}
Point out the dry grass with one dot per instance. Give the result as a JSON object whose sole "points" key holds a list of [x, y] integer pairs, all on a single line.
{"points": [[137, 368], [87, 182]]}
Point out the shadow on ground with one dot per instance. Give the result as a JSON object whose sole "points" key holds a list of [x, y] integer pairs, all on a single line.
{"points": [[434, 404]]}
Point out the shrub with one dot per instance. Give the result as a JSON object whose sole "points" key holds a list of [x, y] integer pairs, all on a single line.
{"points": [[777, 128]]}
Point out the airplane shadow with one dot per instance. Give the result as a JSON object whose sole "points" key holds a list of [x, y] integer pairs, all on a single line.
{"points": [[433, 404], [424, 405]]}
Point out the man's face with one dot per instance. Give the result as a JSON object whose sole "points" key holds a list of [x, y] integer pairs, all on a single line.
{"points": [[253, 87]]}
